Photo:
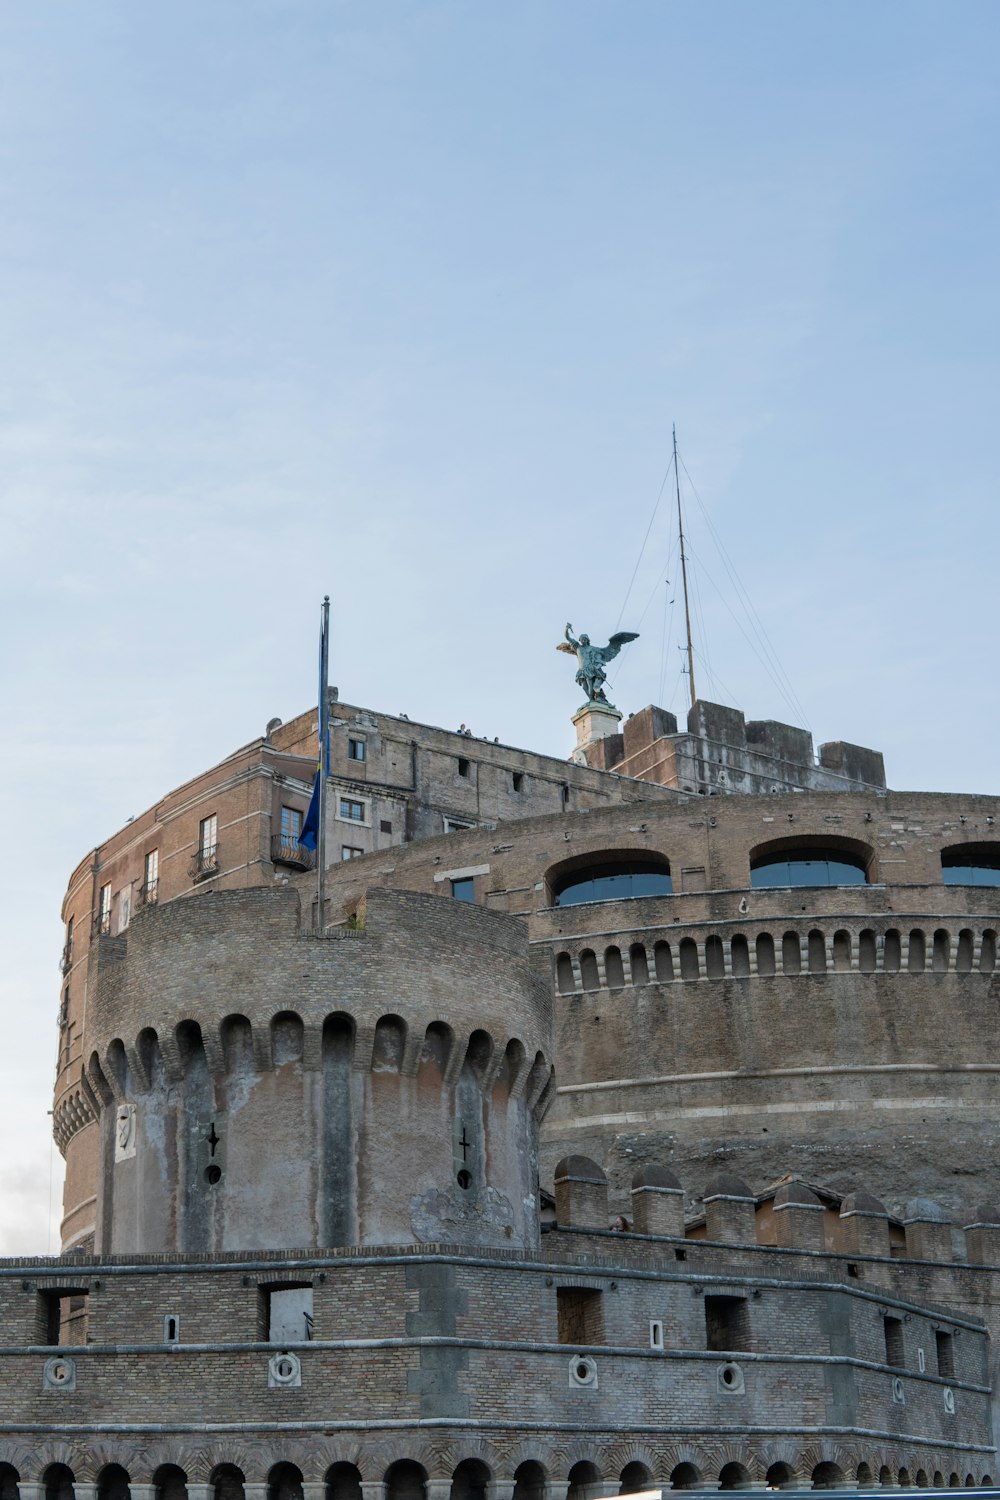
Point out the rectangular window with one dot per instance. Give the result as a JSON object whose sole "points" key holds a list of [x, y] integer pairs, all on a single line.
{"points": [[517, 780], [347, 851], [354, 811], [463, 766], [385, 826], [945, 1353], [464, 889], [580, 1315], [456, 825], [151, 876], [208, 836], [291, 826], [355, 749], [287, 1313], [104, 910], [894, 1354], [656, 1333], [727, 1325], [62, 1317]]}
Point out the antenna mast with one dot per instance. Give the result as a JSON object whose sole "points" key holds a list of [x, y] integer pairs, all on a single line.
{"points": [[684, 572]]}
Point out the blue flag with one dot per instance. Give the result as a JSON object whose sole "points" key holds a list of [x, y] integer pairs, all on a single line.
{"points": [[310, 828]]}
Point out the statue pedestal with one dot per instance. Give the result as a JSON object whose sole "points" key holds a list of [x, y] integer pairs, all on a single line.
{"points": [[594, 721]]}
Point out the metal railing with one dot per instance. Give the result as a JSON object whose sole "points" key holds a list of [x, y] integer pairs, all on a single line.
{"points": [[146, 894], [288, 851], [205, 863]]}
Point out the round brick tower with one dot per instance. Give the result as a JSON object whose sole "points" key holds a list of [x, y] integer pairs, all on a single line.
{"points": [[261, 1088]]}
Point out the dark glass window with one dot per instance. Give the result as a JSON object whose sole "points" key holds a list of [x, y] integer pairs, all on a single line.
{"points": [[464, 889], [355, 749], [971, 875], [820, 867], [613, 885]]}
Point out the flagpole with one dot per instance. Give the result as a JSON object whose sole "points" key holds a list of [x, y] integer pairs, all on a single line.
{"points": [[324, 764]]}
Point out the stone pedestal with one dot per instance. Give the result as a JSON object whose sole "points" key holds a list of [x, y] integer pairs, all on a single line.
{"points": [[594, 721]]}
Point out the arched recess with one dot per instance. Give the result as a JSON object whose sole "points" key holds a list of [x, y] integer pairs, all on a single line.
{"points": [[892, 951], [715, 958], [343, 1482], [817, 952], [116, 1069], [827, 1476], [920, 1479], [513, 1068], [916, 960], [614, 969], [780, 1477], [938, 1480], [663, 963], [227, 1482], [685, 1477], [739, 957], [286, 1038], [765, 955], [808, 860], [390, 1044], [565, 978], [903, 1479], [9, 1478], [58, 1480], [170, 1483], [941, 952], [791, 954], [690, 967], [589, 976], [284, 1482], [113, 1483], [639, 962], [612, 875], [147, 1046], [988, 952], [435, 1054], [471, 1480], [581, 1476], [841, 951], [236, 1038], [634, 1477], [867, 951], [734, 1476], [885, 1477], [964, 953], [405, 1480], [479, 1054], [863, 1475], [529, 1481]]}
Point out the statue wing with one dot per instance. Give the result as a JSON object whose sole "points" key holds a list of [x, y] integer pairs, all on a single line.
{"points": [[565, 646], [618, 640]]}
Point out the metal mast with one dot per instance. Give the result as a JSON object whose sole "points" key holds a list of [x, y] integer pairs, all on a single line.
{"points": [[684, 572], [324, 764]]}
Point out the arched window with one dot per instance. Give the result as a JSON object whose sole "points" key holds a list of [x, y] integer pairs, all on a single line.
{"points": [[971, 864], [529, 1481], [343, 1482], [8, 1482], [622, 876], [170, 1483], [804, 863], [405, 1480], [470, 1480]]}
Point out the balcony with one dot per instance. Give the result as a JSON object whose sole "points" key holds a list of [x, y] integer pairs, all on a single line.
{"points": [[102, 923], [146, 894], [288, 851], [205, 863], [66, 962]]}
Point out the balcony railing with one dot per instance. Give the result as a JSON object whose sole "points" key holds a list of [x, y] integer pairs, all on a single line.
{"points": [[102, 923], [205, 863], [288, 851], [66, 962], [146, 894]]}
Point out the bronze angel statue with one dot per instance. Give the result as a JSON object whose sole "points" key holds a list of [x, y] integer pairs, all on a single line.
{"points": [[591, 660]]}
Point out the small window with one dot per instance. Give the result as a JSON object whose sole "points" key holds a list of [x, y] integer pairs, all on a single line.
{"points": [[565, 795], [287, 1313], [68, 949], [150, 876], [580, 1315], [62, 1317], [727, 1325], [464, 889], [656, 1333], [456, 825], [208, 836], [945, 1353], [104, 910], [171, 1329], [894, 1342], [353, 811], [385, 826], [517, 780], [463, 766], [348, 851], [355, 749], [291, 826]]}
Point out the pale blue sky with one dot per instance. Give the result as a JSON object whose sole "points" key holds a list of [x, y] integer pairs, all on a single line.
{"points": [[399, 301]]}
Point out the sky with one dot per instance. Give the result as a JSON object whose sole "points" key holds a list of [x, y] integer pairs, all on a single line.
{"points": [[399, 302]]}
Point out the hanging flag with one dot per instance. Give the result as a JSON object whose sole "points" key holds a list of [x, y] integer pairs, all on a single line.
{"points": [[309, 837]]}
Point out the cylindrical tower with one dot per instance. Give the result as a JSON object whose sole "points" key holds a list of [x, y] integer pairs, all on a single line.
{"points": [[259, 1087]]}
